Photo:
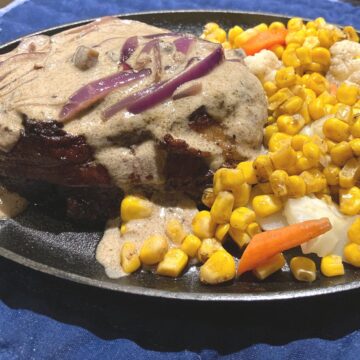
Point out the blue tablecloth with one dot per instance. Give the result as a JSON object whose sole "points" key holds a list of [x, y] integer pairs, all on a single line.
{"points": [[46, 318]]}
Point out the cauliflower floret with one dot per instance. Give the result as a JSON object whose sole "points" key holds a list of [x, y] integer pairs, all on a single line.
{"points": [[345, 62], [308, 208], [263, 65]]}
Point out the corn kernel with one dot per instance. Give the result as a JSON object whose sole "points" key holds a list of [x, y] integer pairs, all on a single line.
{"points": [[129, 257], [279, 182], [341, 153], [344, 112], [217, 183], [218, 35], [261, 27], [244, 37], [153, 250], [355, 146], [175, 231], [226, 45], [311, 42], [314, 179], [241, 218], [292, 47], [242, 195], [173, 263], [347, 93], [351, 33], [283, 158], [312, 152], [304, 55], [266, 205], [122, 229], [221, 232], [316, 109], [207, 248], [135, 207], [220, 267], [269, 131], [317, 83], [302, 163], [352, 254], [234, 32], [325, 38], [231, 179], [295, 24], [296, 186], [289, 58], [248, 171], [278, 50], [331, 173], [298, 141], [332, 265], [241, 238], [320, 21], [321, 55], [288, 124], [311, 25], [263, 167], [310, 94], [253, 229], [276, 25], [279, 140], [350, 201], [350, 173], [354, 231], [303, 269], [222, 207], [203, 226], [278, 98], [210, 27], [355, 129], [208, 197], [270, 88], [292, 106], [285, 77], [191, 245], [272, 265], [336, 130]]}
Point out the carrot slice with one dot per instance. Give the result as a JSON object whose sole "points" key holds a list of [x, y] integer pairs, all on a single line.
{"points": [[269, 243], [264, 40]]}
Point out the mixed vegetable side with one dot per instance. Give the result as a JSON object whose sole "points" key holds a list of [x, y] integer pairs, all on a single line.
{"points": [[304, 184]]}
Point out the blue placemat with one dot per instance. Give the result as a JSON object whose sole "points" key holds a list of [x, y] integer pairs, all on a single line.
{"points": [[46, 318]]}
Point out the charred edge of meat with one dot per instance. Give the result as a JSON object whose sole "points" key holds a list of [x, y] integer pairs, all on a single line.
{"points": [[200, 119], [46, 152]]}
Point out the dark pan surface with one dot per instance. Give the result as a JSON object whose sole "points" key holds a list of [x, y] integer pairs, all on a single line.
{"points": [[57, 247]]}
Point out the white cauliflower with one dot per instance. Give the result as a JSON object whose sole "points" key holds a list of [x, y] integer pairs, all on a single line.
{"points": [[263, 65], [308, 208], [345, 62]]}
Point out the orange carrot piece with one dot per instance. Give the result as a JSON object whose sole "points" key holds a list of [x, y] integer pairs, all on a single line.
{"points": [[333, 89], [269, 243], [264, 40]]}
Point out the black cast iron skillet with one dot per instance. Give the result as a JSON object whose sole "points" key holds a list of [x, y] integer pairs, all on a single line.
{"points": [[59, 248]]}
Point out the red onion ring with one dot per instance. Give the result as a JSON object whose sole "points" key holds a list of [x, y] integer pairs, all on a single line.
{"points": [[96, 90], [130, 45], [183, 44], [192, 90]]}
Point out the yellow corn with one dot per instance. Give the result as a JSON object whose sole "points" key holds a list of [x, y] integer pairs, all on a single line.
{"points": [[283, 158], [217, 183], [298, 141], [241, 238], [244, 37], [311, 42], [248, 171], [325, 38], [276, 25], [278, 98], [341, 153], [270, 88], [208, 197], [304, 55], [221, 232], [203, 226], [295, 24], [175, 231], [242, 195], [191, 245], [220, 267], [321, 56], [226, 45], [129, 257], [270, 266], [288, 124], [350, 201], [265, 188], [279, 182], [153, 250], [241, 218], [317, 83], [253, 229], [263, 167], [320, 21], [289, 57], [350, 173], [135, 207], [296, 186], [279, 140], [269, 131], [266, 205], [173, 263], [336, 130], [355, 146], [355, 129], [278, 50], [351, 33], [123, 229], [332, 265], [347, 93], [292, 105], [312, 152], [210, 27], [331, 173], [354, 232], [231, 179], [344, 112], [303, 269], [314, 179], [316, 109], [311, 25], [261, 27], [285, 77], [352, 254], [222, 207], [207, 248], [233, 33], [218, 35], [327, 98], [292, 47]]}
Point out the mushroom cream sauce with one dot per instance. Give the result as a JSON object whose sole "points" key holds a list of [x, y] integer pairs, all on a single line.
{"points": [[40, 76]]}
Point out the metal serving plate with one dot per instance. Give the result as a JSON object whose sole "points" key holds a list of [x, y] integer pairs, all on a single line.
{"points": [[57, 247]]}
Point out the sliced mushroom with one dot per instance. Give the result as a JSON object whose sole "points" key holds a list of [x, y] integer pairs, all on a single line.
{"points": [[85, 57]]}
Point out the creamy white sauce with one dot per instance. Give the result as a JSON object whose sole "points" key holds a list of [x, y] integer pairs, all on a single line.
{"points": [[11, 204], [165, 207]]}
